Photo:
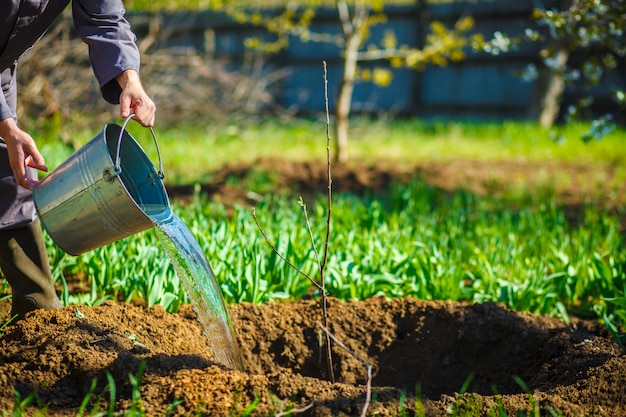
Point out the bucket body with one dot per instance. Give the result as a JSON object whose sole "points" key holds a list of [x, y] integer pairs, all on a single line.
{"points": [[90, 201]]}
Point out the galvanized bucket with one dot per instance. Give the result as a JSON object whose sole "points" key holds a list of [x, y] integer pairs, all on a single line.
{"points": [[108, 190]]}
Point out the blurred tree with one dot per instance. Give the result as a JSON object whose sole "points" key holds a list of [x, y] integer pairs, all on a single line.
{"points": [[595, 30], [356, 19]]}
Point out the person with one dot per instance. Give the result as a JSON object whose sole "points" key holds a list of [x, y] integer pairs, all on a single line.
{"points": [[115, 61]]}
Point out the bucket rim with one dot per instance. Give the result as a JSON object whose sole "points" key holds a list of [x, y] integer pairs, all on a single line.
{"points": [[157, 178]]}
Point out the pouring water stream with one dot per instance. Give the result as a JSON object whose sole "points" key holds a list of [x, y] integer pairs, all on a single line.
{"points": [[200, 285]]}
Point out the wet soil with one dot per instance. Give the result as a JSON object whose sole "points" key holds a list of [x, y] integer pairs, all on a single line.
{"points": [[426, 358]]}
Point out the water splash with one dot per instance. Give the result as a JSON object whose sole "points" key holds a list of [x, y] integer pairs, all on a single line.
{"points": [[201, 287]]}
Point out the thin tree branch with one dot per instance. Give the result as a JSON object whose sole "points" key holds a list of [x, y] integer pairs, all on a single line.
{"points": [[361, 14], [330, 179], [344, 17], [280, 255], [308, 226], [327, 238], [369, 366], [294, 411]]}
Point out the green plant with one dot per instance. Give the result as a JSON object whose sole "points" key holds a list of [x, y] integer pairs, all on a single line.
{"points": [[417, 242], [4, 324], [85, 402], [136, 408], [110, 387], [24, 406], [614, 314], [466, 405]]}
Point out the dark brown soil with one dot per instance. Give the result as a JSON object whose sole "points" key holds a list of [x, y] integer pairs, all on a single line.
{"points": [[503, 360], [432, 346]]}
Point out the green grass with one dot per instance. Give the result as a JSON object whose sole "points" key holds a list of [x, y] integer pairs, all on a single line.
{"points": [[191, 153]]}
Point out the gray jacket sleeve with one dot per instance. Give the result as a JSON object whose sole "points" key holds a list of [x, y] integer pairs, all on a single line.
{"points": [[5, 111], [7, 98], [112, 44]]}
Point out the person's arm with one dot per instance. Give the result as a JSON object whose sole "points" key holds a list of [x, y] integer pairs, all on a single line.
{"points": [[22, 151], [114, 56]]}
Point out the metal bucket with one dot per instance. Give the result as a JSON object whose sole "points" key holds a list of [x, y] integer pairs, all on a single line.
{"points": [[108, 190]]}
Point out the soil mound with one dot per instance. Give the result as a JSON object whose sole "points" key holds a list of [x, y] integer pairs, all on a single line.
{"points": [[161, 363]]}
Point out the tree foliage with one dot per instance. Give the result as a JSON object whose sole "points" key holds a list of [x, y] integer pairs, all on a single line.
{"points": [[442, 44], [595, 30], [592, 25]]}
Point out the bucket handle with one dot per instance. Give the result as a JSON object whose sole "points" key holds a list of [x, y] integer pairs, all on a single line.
{"points": [[118, 168]]}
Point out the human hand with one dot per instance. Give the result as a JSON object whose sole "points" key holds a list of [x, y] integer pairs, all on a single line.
{"points": [[134, 100], [22, 152]]}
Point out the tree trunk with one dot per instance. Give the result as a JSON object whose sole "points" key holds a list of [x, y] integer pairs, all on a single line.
{"points": [[344, 98], [555, 85]]}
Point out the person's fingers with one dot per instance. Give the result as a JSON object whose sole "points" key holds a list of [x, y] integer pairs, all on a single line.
{"points": [[125, 106], [22, 152], [146, 119], [37, 162], [19, 172], [145, 111], [134, 100]]}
